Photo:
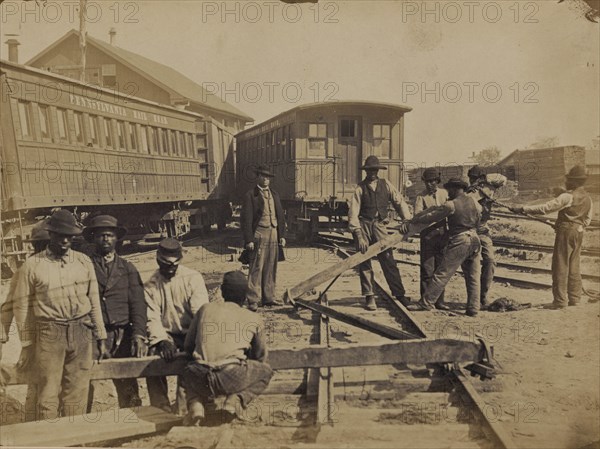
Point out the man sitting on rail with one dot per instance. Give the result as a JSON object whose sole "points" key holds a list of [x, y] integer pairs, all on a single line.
{"points": [[56, 301], [433, 238], [225, 362], [123, 304], [367, 220], [483, 187], [574, 214], [462, 250], [174, 293]]}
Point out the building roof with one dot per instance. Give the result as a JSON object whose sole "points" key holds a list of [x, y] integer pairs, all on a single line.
{"points": [[166, 77]]}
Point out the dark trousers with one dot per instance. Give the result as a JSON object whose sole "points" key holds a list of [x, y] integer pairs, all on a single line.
{"points": [[462, 250], [488, 266], [375, 231], [118, 343], [247, 379], [158, 388], [432, 254], [64, 358], [566, 273]]}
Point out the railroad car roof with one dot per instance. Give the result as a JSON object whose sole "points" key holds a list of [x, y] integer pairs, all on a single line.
{"points": [[48, 74], [332, 104], [165, 76]]}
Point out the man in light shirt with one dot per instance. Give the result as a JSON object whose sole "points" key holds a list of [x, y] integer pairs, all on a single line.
{"points": [[56, 302], [574, 214], [433, 238], [367, 220], [174, 293], [228, 346]]}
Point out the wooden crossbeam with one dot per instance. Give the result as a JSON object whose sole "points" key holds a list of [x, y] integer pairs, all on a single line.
{"points": [[416, 352], [358, 258]]}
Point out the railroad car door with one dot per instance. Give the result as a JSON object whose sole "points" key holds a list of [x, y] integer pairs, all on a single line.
{"points": [[347, 154]]}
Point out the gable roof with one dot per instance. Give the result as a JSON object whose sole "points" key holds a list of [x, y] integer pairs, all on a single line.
{"points": [[166, 77]]}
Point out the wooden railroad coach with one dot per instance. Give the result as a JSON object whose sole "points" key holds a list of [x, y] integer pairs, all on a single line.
{"points": [[316, 151], [66, 144]]}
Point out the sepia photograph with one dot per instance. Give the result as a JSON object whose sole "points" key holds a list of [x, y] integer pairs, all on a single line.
{"points": [[300, 224]]}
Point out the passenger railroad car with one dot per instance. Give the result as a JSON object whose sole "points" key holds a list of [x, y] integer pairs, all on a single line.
{"points": [[316, 151], [64, 144]]}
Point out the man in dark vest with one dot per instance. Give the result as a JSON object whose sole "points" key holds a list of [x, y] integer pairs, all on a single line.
{"points": [[483, 188], [463, 213], [263, 226], [433, 238], [122, 301], [367, 220], [574, 214]]}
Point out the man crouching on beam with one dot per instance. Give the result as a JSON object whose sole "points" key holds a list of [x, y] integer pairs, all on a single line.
{"points": [[226, 363]]}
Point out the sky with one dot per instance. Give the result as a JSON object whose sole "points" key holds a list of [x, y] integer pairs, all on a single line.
{"points": [[477, 74]]}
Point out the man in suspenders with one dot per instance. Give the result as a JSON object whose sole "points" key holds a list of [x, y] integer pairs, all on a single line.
{"points": [[574, 214], [367, 220]]}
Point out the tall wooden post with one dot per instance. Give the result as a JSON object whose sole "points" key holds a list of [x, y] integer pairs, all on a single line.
{"points": [[82, 38]]}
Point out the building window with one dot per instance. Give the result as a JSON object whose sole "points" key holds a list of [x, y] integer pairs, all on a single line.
{"points": [[79, 127], [347, 128], [44, 121], [317, 140], [133, 139], [121, 135], [145, 147], [61, 116], [94, 130], [108, 137], [25, 119], [381, 140]]}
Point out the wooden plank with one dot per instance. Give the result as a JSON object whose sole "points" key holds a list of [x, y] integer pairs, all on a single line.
{"points": [[416, 352], [85, 429], [352, 261], [358, 321]]}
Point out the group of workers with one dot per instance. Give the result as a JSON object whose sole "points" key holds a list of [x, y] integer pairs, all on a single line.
{"points": [[63, 301]]}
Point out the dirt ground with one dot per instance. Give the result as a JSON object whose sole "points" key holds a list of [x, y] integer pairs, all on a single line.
{"points": [[547, 393]]}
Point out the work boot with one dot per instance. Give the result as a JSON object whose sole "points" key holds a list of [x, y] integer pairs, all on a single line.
{"points": [[404, 300], [195, 414], [274, 303], [371, 304], [253, 307], [419, 306], [441, 305], [471, 312]]}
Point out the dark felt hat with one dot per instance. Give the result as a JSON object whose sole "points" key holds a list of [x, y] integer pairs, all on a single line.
{"points": [[38, 233], [373, 162], [431, 174], [456, 182], [577, 172], [103, 222], [234, 285], [63, 222], [169, 247], [475, 172], [264, 170]]}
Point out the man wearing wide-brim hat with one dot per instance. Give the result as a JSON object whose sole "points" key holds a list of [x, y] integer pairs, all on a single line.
{"points": [[462, 213], [432, 240], [367, 220], [56, 294], [122, 300], [574, 214], [263, 226]]}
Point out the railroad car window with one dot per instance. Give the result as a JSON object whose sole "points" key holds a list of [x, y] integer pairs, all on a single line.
{"points": [[94, 130], [152, 140], [44, 121], [108, 137], [381, 140], [347, 128], [290, 142], [61, 115], [121, 134], [79, 127], [144, 135], [165, 141], [173, 142], [133, 138], [317, 140], [190, 138], [25, 119]]}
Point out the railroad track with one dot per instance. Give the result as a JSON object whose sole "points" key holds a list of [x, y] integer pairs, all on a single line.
{"points": [[372, 406]]}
